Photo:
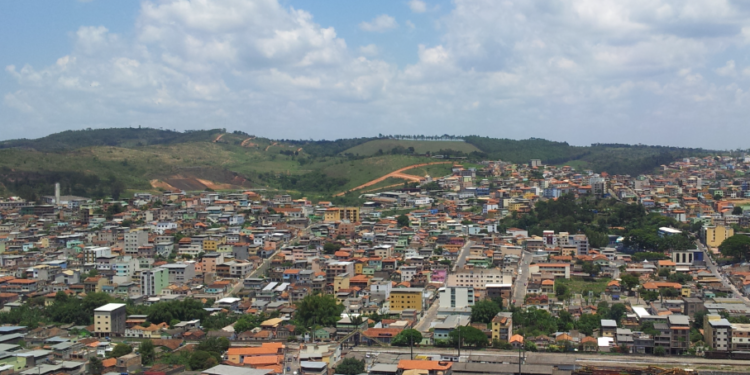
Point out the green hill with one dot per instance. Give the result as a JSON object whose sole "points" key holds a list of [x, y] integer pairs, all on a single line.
{"points": [[107, 162], [420, 147]]}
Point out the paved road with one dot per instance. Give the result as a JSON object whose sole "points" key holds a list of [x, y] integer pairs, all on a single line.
{"points": [[424, 324], [461, 260], [519, 289], [720, 275]]}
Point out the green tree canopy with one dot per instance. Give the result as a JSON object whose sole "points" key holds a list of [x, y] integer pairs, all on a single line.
{"points": [[95, 366], [407, 337], [120, 350], [318, 309], [470, 336], [737, 246], [147, 352], [483, 311], [201, 360], [402, 220], [350, 366], [630, 281]]}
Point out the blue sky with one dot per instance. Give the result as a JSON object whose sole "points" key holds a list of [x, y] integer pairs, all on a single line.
{"points": [[664, 72]]}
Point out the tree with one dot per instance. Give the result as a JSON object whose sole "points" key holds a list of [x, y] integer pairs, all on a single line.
{"points": [[95, 366], [483, 311], [331, 247], [561, 290], [529, 346], [402, 220], [591, 268], [247, 322], [214, 345], [120, 350], [630, 281], [407, 337], [737, 210], [469, 336], [146, 350], [737, 246], [501, 344], [660, 351], [318, 309], [617, 312], [201, 360], [350, 366]]}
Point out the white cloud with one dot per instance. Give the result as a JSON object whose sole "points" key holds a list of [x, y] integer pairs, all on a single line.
{"points": [[727, 70], [581, 71], [369, 50], [379, 24], [417, 6], [410, 24]]}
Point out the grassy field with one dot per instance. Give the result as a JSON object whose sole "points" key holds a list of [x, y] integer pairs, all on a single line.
{"points": [[363, 170], [420, 147], [577, 285]]}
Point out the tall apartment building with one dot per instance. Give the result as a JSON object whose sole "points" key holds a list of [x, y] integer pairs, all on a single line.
{"points": [[581, 242], [478, 278], [90, 253], [717, 332], [713, 236], [180, 273], [109, 320], [405, 299], [134, 240], [456, 297], [154, 280], [341, 213]]}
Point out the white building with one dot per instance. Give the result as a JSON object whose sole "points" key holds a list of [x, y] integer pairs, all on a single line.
{"points": [[134, 240], [456, 297], [478, 278]]}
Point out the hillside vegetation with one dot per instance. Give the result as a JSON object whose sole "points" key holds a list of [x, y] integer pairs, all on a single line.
{"points": [[107, 162], [380, 146]]}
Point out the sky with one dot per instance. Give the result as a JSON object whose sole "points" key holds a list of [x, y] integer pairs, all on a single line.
{"points": [[659, 72]]}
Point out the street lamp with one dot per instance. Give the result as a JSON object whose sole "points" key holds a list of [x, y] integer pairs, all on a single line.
{"points": [[522, 349]]}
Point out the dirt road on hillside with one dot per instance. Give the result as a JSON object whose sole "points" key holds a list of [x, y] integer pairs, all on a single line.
{"points": [[395, 174]]}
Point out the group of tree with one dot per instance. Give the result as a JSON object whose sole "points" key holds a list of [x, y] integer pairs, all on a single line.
{"points": [[483, 311], [322, 310], [737, 247], [407, 337]]}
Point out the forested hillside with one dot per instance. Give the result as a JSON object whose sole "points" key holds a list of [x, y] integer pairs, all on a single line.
{"points": [[108, 162]]}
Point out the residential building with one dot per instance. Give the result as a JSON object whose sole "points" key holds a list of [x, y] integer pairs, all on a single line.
{"points": [[153, 281], [109, 320]]}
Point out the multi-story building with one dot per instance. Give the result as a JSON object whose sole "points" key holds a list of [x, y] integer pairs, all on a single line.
{"points": [[713, 236], [456, 297], [740, 336], [109, 320], [679, 329], [154, 280], [717, 333], [134, 240], [406, 299], [180, 273], [554, 269], [334, 214], [91, 253], [478, 278], [334, 269], [502, 326], [234, 269]]}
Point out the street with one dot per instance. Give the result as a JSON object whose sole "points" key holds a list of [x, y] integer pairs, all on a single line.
{"points": [[461, 260], [720, 275], [424, 324], [519, 289]]}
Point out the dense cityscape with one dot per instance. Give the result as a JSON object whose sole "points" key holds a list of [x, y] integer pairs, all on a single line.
{"points": [[499, 264]]}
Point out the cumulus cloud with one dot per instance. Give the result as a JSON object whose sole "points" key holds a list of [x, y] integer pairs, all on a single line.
{"points": [[654, 72], [379, 24], [417, 6]]}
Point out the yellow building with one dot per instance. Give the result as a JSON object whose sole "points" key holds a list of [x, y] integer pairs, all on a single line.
{"points": [[713, 236], [502, 326], [686, 291], [210, 245], [406, 298], [340, 282], [358, 268], [341, 213]]}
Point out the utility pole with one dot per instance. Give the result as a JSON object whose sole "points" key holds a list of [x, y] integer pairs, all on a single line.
{"points": [[459, 343], [411, 347], [519, 360]]}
